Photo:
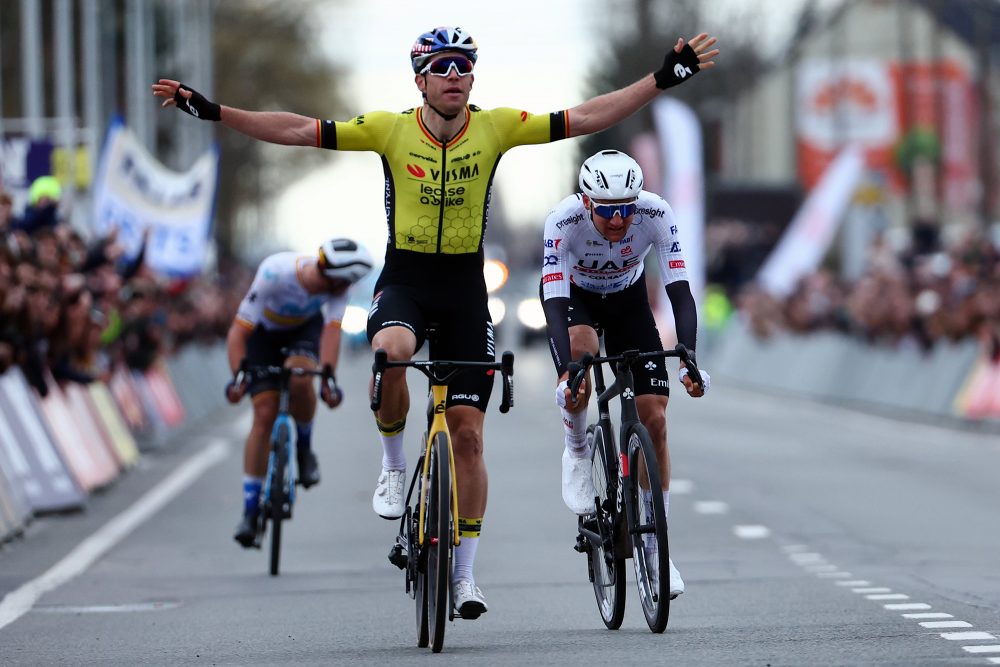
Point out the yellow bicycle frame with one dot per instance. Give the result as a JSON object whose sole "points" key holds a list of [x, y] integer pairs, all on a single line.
{"points": [[439, 395]]}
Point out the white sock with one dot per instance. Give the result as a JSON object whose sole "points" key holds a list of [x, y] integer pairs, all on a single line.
{"points": [[666, 503], [575, 426], [393, 457], [465, 556]]}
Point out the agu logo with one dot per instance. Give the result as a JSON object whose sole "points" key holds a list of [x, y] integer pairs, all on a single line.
{"points": [[416, 170]]}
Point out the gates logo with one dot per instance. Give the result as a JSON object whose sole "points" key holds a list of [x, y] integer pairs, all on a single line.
{"points": [[552, 277]]}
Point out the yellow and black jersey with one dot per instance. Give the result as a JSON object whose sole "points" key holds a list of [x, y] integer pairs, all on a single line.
{"points": [[437, 194]]}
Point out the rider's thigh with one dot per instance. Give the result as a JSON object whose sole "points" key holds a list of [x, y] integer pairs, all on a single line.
{"points": [[265, 409]]}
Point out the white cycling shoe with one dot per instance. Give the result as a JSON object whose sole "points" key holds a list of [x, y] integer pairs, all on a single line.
{"points": [[388, 499], [469, 601], [652, 563], [577, 484]]}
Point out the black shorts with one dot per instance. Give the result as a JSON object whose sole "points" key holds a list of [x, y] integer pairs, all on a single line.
{"points": [[265, 345], [628, 324], [463, 331]]}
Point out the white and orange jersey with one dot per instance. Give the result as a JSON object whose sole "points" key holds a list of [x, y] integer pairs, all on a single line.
{"points": [[277, 300], [575, 252]]}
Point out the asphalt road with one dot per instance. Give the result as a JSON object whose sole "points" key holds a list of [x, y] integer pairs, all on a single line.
{"points": [[799, 529]]}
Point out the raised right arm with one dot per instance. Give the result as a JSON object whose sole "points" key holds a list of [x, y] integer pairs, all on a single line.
{"points": [[276, 127]]}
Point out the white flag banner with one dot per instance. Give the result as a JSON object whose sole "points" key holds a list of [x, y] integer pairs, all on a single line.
{"points": [[133, 192], [808, 236], [683, 186]]}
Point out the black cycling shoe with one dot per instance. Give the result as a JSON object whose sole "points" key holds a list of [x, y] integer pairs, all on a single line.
{"points": [[247, 533], [308, 468]]}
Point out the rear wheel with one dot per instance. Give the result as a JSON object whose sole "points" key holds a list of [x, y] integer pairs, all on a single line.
{"points": [[650, 552], [437, 541], [607, 571], [279, 496]]}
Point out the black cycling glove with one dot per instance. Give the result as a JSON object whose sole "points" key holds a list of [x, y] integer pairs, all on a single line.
{"points": [[677, 68], [198, 105]]}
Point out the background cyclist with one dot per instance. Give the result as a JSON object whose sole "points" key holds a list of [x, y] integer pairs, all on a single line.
{"points": [[592, 277], [295, 303], [439, 160]]}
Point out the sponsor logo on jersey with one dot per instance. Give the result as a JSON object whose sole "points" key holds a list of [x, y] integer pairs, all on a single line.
{"points": [[652, 213], [627, 250], [594, 243], [593, 254], [673, 229], [676, 264], [552, 243], [656, 382], [465, 397], [524, 116], [609, 266], [360, 120], [572, 220], [550, 260], [422, 157], [551, 277], [675, 247], [463, 173], [416, 170]]}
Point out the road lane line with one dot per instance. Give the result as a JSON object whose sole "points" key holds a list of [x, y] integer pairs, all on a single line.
{"points": [[807, 558], [872, 589], [907, 606], [986, 648], [819, 569], [752, 532], [965, 636], [18, 602], [834, 575], [930, 614], [946, 624], [855, 582], [711, 507], [888, 596]]}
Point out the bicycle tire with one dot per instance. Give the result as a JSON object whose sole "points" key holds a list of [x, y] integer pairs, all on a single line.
{"points": [[606, 569], [278, 496], [654, 592], [418, 561], [437, 541]]}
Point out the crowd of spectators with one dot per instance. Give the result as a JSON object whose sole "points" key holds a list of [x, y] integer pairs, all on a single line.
{"points": [[74, 308], [931, 292]]}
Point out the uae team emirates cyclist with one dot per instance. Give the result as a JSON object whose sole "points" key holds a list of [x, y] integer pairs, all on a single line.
{"points": [[439, 160]]}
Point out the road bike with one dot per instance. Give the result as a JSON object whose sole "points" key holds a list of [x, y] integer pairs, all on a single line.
{"points": [[623, 522], [277, 496], [428, 529]]}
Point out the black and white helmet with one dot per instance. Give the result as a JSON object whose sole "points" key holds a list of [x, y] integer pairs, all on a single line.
{"points": [[610, 176], [344, 259]]}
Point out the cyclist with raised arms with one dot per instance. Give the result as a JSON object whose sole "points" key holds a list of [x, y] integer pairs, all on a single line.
{"points": [[592, 278], [439, 160], [289, 317]]}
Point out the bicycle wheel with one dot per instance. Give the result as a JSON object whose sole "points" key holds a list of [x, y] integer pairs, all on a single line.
{"points": [[650, 552], [607, 571], [437, 541], [279, 497], [417, 564]]}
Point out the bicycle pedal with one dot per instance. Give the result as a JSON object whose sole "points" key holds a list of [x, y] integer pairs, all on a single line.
{"points": [[582, 544], [398, 557]]}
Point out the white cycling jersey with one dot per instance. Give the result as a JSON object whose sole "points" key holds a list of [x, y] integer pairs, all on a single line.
{"points": [[277, 300], [575, 252]]}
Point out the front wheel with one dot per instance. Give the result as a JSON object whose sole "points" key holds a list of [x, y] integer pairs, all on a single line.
{"points": [[438, 540], [650, 549], [279, 497], [607, 571]]}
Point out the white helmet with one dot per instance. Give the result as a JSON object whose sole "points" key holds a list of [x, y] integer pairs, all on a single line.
{"points": [[344, 259], [610, 175]]}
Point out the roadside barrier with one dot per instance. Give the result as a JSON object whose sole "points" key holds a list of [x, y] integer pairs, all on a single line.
{"points": [[951, 381], [56, 450]]}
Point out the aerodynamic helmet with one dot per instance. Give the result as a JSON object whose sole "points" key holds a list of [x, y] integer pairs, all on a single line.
{"points": [[345, 260], [610, 176]]}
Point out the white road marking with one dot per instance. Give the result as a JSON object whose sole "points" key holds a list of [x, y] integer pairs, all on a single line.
{"points": [[855, 582], [107, 609], [888, 596], [711, 507], [681, 487], [963, 636], [929, 614], [946, 624], [872, 589], [907, 606], [992, 661], [752, 532], [16, 603], [986, 648], [807, 558], [834, 575]]}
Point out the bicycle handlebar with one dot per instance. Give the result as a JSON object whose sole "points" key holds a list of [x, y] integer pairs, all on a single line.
{"points": [[440, 371], [578, 369], [245, 370]]}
